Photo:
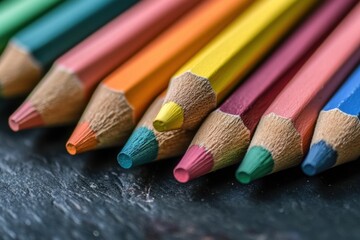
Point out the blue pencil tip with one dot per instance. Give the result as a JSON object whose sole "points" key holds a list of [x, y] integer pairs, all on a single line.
{"points": [[320, 158], [141, 148]]}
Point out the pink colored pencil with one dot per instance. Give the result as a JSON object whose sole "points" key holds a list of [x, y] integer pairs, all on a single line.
{"points": [[283, 134], [225, 135], [63, 93]]}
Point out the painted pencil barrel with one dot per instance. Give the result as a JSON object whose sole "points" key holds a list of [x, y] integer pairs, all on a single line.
{"points": [[224, 136], [15, 15], [284, 132], [336, 138], [121, 99], [209, 76], [59, 30], [34, 48]]}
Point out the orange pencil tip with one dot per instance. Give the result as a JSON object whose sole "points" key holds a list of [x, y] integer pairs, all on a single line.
{"points": [[26, 116], [82, 139]]}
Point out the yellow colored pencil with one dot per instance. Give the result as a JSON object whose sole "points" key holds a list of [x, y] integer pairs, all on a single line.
{"points": [[209, 76]]}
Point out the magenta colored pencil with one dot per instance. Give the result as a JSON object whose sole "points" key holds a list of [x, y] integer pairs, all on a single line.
{"points": [[225, 135]]}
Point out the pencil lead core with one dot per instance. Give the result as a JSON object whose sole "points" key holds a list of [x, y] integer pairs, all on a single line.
{"points": [[195, 163], [257, 163], [26, 116], [321, 157], [83, 139], [141, 148], [170, 117]]}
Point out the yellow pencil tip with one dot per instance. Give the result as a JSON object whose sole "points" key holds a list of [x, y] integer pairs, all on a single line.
{"points": [[170, 117]]}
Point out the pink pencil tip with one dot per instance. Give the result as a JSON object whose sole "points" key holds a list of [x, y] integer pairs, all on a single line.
{"points": [[195, 163], [26, 116]]}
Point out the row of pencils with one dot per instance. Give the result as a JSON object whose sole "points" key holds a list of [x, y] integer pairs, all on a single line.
{"points": [[269, 84]]}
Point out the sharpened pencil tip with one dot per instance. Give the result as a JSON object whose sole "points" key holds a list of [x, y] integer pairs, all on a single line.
{"points": [[141, 148], [181, 175], [321, 157], [195, 163], [170, 117], [26, 116], [82, 139], [257, 163]]}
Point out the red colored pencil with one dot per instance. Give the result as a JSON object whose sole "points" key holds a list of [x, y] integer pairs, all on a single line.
{"points": [[284, 132], [64, 92], [225, 135]]}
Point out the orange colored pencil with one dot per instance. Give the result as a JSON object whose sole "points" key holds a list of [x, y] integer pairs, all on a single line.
{"points": [[64, 92], [121, 99]]}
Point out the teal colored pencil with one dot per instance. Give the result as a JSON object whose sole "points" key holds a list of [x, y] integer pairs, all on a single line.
{"points": [[35, 47], [336, 139], [14, 15], [147, 145]]}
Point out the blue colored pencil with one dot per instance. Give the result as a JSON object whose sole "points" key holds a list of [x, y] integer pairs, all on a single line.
{"points": [[336, 138], [32, 50]]}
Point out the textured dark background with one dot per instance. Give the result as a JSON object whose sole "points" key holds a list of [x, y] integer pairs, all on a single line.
{"points": [[47, 194]]}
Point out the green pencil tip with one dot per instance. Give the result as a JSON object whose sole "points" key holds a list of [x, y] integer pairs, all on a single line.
{"points": [[257, 163], [141, 148]]}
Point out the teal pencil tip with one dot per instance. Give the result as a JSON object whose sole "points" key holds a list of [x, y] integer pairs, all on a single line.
{"points": [[141, 148], [257, 163], [125, 160], [321, 157]]}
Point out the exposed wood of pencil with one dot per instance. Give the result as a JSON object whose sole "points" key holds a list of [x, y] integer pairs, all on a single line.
{"points": [[287, 125], [226, 132], [147, 145], [49, 37], [341, 131], [103, 110], [85, 65], [17, 63], [206, 79], [336, 138], [158, 61]]}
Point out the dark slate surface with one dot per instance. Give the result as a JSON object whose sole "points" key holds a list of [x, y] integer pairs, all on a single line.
{"points": [[47, 194]]}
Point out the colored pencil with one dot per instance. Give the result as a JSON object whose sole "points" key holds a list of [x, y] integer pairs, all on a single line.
{"points": [[122, 98], [284, 132], [147, 145], [225, 134], [14, 15], [33, 49], [75, 75], [336, 138], [206, 79]]}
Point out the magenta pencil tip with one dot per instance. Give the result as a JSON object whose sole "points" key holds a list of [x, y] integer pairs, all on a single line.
{"points": [[195, 163]]}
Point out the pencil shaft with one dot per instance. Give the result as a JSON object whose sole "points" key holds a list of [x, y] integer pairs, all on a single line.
{"points": [[60, 29], [14, 15], [208, 77], [336, 138], [347, 97], [224, 136], [284, 132], [222, 61], [161, 67], [35, 47], [112, 45], [307, 97], [252, 98], [74, 76], [129, 91]]}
